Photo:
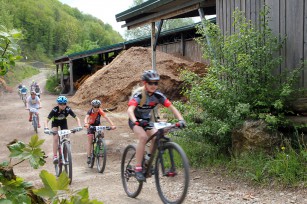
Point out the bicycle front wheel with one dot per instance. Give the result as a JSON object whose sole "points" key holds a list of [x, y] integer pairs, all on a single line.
{"points": [[34, 123], [131, 186], [172, 173], [101, 151], [67, 161], [91, 164]]}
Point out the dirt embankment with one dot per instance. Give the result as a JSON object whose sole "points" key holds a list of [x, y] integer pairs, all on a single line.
{"points": [[113, 84]]}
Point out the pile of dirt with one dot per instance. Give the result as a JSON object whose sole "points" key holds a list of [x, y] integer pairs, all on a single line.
{"points": [[113, 83]]}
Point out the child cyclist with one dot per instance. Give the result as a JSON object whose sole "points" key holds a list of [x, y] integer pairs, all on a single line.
{"points": [[140, 106], [33, 102], [58, 116], [92, 118]]}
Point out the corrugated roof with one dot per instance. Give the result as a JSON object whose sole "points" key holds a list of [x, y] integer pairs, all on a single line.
{"points": [[155, 10]]}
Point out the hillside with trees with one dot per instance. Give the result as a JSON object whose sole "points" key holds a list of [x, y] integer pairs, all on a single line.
{"points": [[51, 28]]}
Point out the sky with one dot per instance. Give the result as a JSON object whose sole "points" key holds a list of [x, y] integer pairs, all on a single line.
{"points": [[105, 10]]}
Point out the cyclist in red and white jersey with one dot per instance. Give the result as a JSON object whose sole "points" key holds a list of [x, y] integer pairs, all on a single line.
{"points": [[92, 118], [140, 106]]}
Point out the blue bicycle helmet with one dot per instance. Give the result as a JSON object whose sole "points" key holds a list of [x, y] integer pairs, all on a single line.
{"points": [[62, 99]]}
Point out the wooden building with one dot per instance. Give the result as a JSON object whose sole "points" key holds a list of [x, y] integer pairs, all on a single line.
{"points": [[288, 18]]}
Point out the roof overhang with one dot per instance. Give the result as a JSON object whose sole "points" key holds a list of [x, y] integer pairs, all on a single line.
{"points": [[156, 10]]}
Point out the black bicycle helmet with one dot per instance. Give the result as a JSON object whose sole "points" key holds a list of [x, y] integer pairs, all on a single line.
{"points": [[150, 75]]}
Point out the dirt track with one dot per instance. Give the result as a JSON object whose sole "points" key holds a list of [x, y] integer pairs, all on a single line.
{"points": [[205, 187]]}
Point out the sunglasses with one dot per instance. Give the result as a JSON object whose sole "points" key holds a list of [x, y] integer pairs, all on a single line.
{"points": [[96, 106], [153, 83], [62, 104]]}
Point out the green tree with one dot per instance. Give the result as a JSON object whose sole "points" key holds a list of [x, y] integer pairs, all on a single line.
{"points": [[9, 48]]}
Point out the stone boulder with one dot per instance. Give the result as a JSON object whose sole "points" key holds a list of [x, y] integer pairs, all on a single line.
{"points": [[254, 136]]}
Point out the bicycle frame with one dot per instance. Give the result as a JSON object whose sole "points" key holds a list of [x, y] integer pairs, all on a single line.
{"points": [[160, 140], [34, 112], [63, 138]]}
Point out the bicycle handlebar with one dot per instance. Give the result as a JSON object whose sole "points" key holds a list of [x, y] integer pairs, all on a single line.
{"points": [[100, 128], [62, 132]]}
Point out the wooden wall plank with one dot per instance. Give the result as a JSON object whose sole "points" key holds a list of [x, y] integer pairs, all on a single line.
{"points": [[232, 8], [282, 31], [224, 17], [294, 30]]}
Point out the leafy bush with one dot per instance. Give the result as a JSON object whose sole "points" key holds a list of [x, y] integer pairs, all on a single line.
{"points": [[52, 84], [241, 83], [15, 190]]}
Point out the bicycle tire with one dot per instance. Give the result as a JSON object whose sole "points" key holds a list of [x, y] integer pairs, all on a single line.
{"points": [[131, 185], [67, 161], [58, 166], [101, 155], [34, 123], [172, 181], [92, 162]]}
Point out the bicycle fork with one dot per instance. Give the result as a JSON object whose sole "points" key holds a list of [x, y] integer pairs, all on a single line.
{"points": [[171, 172]]}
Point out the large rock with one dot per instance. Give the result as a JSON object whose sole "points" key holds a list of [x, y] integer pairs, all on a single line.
{"points": [[254, 136]]}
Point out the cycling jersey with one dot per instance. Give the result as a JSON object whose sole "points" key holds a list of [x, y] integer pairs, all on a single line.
{"points": [[59, 116], [24, 90], [94, 118], [33, 103], [143, 112]]}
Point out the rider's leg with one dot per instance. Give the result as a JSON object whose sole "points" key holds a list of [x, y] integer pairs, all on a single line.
{"points": [[152, 142], [30, 116], [38, 124], [55, 145], [89, 144]]}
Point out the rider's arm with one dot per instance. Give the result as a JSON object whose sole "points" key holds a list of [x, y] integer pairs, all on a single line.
{"points": [[175, 112], [78, 121], [46, 123], [131, 115], [110, 121], [86, 124]]}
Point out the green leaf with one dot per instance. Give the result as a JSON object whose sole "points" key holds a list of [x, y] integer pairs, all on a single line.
{"points": [[5, 201], [50, 185]]}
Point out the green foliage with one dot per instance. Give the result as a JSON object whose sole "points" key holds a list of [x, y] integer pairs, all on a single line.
{"points": [[287, 167], [20, 72], [51, 28], [241, 83], [14, 190], [52, 84], [9, 48]]}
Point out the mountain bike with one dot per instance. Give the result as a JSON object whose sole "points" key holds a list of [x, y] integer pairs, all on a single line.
{"points": [[64, 151], [168, 163], [34, 112], [99, 148]]}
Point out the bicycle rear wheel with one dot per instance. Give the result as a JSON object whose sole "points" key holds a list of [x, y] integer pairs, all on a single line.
{"points": [[131, 186], [172, 173], [67, 161], [101, 151]]}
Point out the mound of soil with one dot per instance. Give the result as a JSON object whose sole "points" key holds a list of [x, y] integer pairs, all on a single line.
{"points": [[113, 83]]}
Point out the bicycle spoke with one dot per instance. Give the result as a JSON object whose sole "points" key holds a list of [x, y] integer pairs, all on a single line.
{"points": [[101, 151], [131, 186], [172, 176]]}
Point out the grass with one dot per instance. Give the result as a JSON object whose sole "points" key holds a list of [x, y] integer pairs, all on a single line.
{"points": [[19, 72]]}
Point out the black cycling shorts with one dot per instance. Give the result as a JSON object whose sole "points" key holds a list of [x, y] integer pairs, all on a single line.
{"points": [[60, 123]]}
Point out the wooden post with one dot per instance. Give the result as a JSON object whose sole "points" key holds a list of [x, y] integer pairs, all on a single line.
{"points": [[153, 40], [71, 78], [62, 76]]}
